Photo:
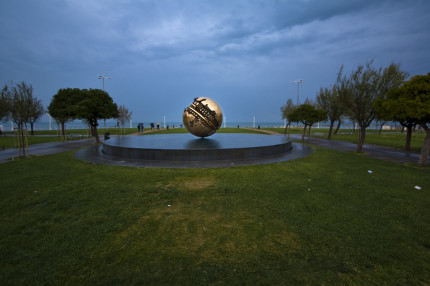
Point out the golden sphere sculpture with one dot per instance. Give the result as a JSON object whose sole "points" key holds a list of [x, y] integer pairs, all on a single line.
{"points": [[203, 117]]}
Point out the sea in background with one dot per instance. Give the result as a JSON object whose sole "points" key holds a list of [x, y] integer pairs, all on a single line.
{"points": [[78, 124]]}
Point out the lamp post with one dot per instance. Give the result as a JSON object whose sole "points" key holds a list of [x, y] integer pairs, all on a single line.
{"points": [[103, 78], [299, 81]]}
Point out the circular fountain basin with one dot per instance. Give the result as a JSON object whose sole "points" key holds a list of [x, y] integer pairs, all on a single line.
{"points": [[185, 147], [187, 151]]}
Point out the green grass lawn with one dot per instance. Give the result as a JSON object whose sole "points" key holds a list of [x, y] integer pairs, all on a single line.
{"points": [[323, 219]]}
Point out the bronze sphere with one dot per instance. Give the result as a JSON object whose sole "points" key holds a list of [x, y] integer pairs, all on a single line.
{"points": [[203, 117]]}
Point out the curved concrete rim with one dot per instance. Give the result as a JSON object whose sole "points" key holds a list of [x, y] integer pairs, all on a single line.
{"points": [[185, 147], [95, 155]]}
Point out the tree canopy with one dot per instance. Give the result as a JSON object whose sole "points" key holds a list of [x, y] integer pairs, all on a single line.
{"points": [[62, 106], [410, 104], [124, 115], [329, 100], [18, 104], [307, 114], [286, 112], [4, 103], [90, 105], [362, 87]]}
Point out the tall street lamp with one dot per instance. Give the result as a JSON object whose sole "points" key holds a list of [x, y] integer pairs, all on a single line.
{"points": [[103, 78], [299, 81]]}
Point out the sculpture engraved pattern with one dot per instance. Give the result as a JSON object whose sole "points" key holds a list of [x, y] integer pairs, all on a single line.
{"points": [[203, 114], [203, 117]]}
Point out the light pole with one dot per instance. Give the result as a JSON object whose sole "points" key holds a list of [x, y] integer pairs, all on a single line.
{"points": [[299, 81], [103, 78]]}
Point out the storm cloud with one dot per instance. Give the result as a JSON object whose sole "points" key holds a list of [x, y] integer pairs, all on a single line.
{"points": [[243, 54]]}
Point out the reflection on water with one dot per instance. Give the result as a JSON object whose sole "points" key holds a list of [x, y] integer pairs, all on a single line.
{"points": [[203, 143]]}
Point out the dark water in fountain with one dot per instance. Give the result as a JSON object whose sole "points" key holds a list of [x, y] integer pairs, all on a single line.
{"points": [[188, 141]]}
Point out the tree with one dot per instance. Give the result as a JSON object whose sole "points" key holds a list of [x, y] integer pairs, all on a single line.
{"points": [[286, 112], [124, 115], [5, 98], [21, 96], [409, 104], [92, 105], [62, 106], [36, 111], [359, 91], [328, 99], [307, 114]]}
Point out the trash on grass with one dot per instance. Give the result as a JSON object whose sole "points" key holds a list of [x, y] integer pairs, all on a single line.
{"points": [[418, 187], [369, 171]]}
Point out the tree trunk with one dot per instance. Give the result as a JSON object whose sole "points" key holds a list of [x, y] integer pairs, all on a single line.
{"points": [[380, 128], [426, 146], [309, 130], [22, 139], [331, 129], [63, 133], [95, 134], [286, 128], [408, 138], [31, 127], [361, 138], [304, 132], [338, 126], [403, 129]]}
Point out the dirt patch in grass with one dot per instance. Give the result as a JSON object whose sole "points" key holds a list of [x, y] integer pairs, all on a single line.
{"points": [[182, 229]]}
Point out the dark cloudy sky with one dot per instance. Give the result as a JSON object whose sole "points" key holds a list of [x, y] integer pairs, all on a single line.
{"points": [[243, 54]]}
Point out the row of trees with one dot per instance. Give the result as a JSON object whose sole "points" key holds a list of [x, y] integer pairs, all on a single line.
{"points": [[365, 95], [18, 104], [89, 105]]}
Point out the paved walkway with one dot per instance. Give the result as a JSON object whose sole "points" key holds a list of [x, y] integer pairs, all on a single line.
{"points": [[381, 152]]}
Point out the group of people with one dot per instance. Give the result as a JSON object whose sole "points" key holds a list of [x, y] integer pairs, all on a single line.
{"points": [[140, 126]]}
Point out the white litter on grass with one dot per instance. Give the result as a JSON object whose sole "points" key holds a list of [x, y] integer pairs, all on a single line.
{"points": [[169, 205], [309, 189], [370, 172], [418, 187]]}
